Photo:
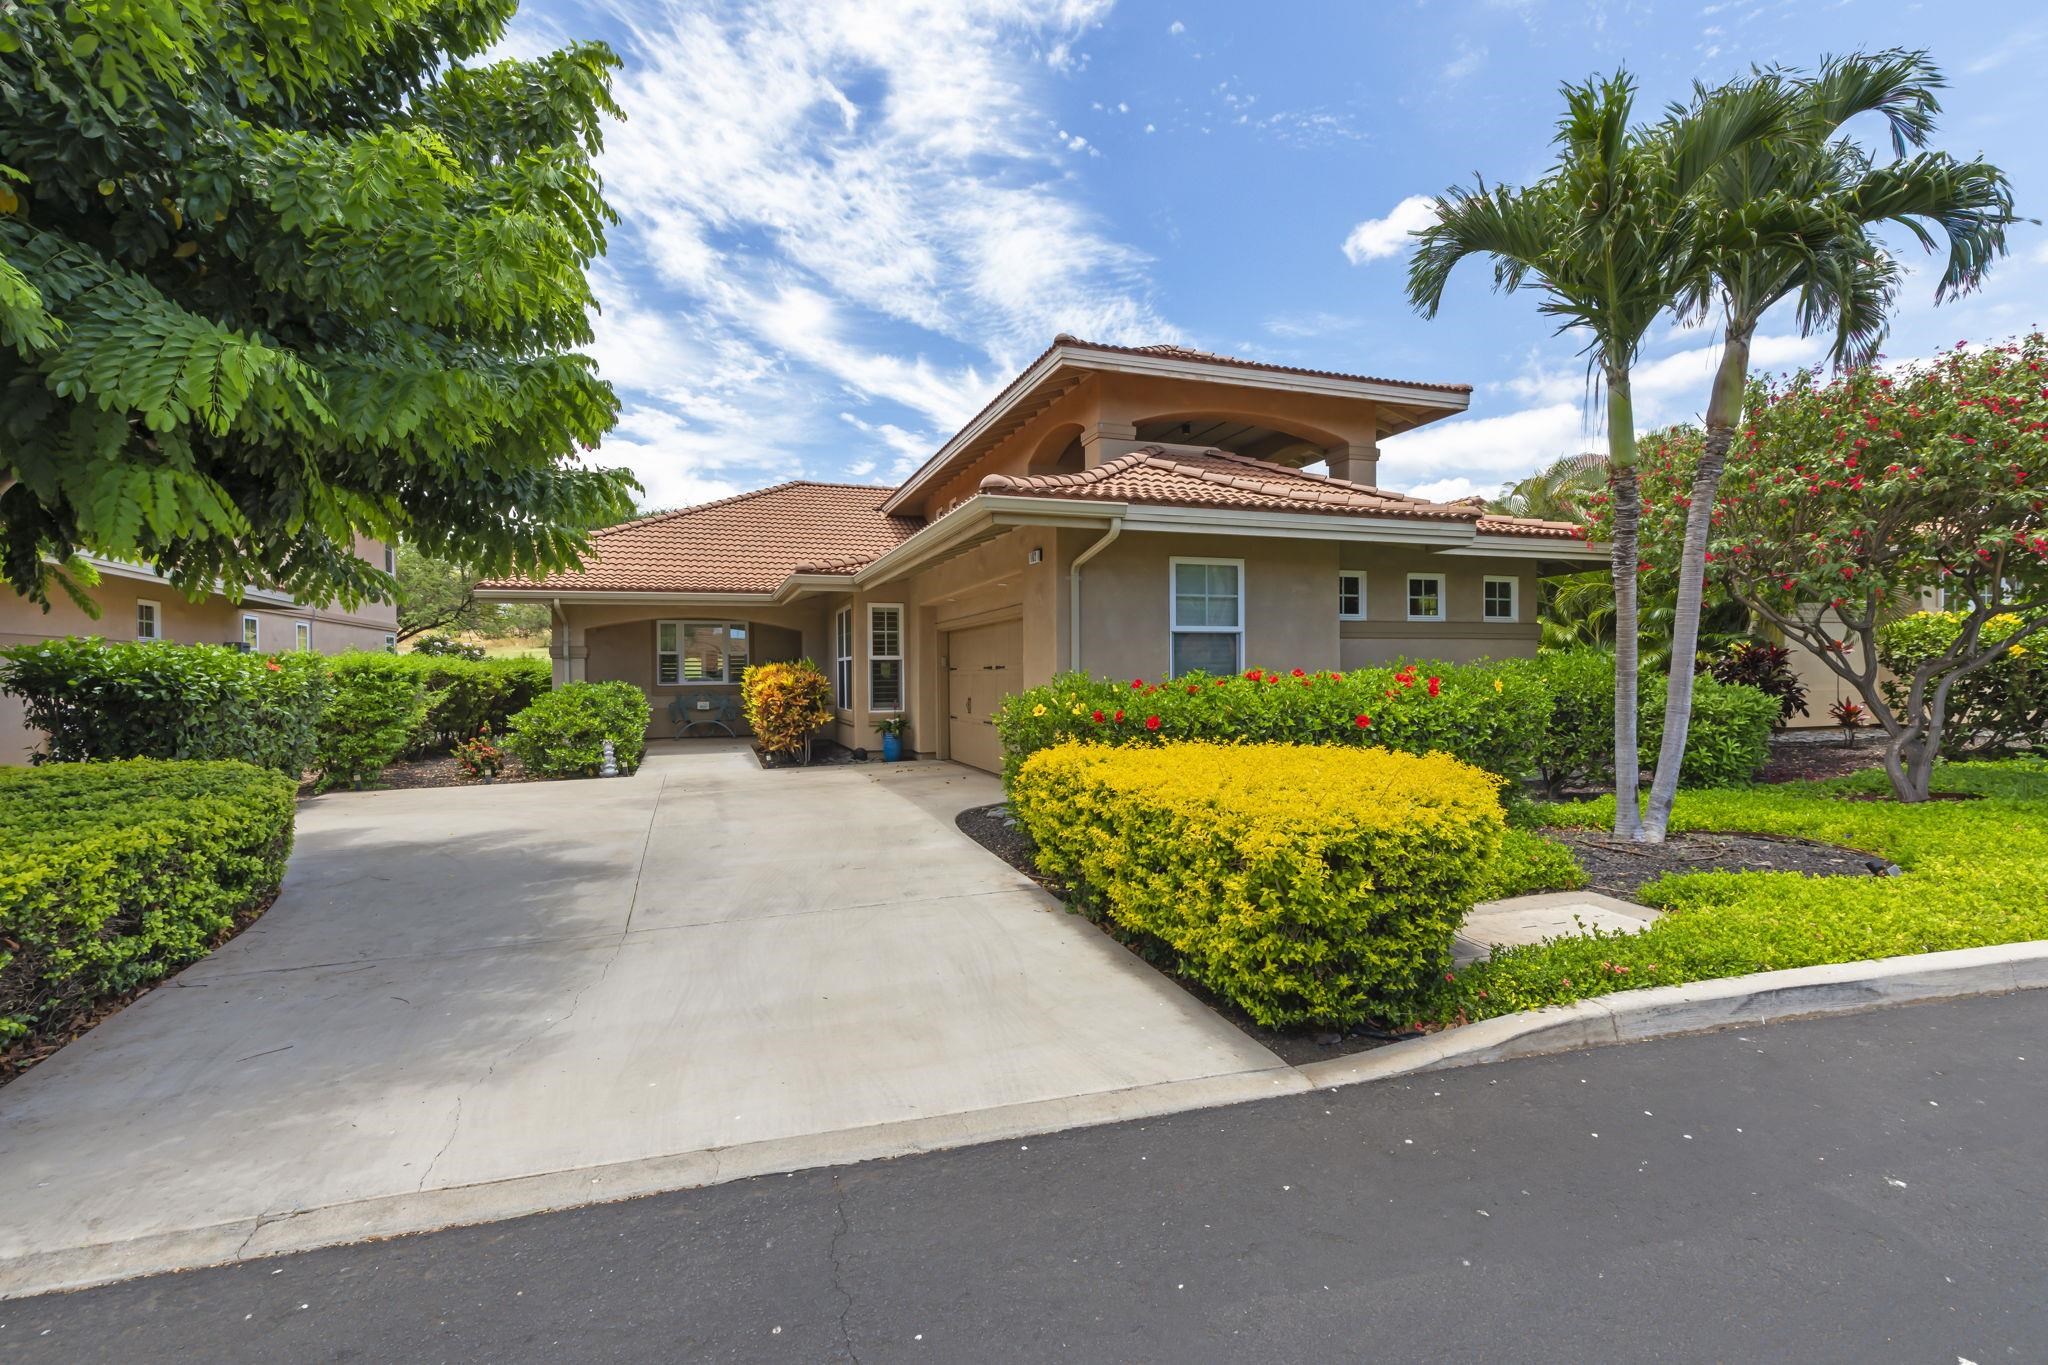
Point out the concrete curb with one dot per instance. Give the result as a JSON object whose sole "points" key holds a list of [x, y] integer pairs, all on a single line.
{"points": [[1701, 1007], [1627, 1016]]}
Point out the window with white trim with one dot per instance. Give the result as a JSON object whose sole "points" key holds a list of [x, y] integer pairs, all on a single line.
{"points": [[303, 636], [252, 634], [885, 657], [1207, 615], [699, 652], [391, 559], [1350, 597], [1426, 597], [842, 659], [390, 644], [149, 620], [1499, 599]]}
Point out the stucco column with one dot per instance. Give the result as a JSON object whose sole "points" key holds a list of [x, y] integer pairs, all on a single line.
{"points": [[569, 650], [1356, 462], [1105, 441]]}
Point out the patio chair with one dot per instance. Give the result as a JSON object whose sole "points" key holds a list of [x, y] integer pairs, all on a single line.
{"points": [[688, 710]]}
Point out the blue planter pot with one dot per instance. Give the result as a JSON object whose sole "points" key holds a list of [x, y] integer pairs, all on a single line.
{"points": [[892, 748]]}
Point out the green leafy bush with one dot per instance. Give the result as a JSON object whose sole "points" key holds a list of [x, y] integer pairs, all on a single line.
{"points": [[1727, 744], [100, 700], [375, 707], [114, 874], [1489, 715], [1307, 884], [464, 695], [2000, 708], [446, 647], [1973, 876], [1526, 864], [562, 733]]}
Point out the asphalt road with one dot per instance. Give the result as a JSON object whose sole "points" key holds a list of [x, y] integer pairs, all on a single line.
{"points": [[1864, 1188]]}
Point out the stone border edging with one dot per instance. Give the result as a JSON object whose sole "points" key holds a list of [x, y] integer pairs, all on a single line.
{"points": [[1623, 1017]]}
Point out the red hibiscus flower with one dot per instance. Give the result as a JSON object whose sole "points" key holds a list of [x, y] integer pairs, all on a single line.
{"points": [[1119, 718], [1096, 717], [1151, 722], [1194, 688], [1299, 674], [1251, 675], [1363, 722], [272, 665], [1137, 684], [1435, 686]]}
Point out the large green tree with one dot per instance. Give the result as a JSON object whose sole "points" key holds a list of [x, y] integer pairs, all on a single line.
{"points": [[274, 275], [1608, 237], [1792, 217]]}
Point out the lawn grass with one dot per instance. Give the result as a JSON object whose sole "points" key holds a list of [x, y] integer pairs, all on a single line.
{"points": [[1975, 873]]}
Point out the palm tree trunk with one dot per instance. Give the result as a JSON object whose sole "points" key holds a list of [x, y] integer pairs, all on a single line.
{"points": [[1621, 474], [1724, 410]]}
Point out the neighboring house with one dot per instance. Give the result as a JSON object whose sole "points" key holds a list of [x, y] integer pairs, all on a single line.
{"points": [[1127, 511], [136, 603]]}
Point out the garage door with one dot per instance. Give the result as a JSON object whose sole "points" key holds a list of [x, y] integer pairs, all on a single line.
{"points": [[983, 666]]}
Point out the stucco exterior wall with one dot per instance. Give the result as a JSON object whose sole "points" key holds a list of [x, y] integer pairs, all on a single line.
{"points": [[615, 642], [1463, 637]]}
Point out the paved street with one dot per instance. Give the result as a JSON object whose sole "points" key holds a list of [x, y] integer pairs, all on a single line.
{"points": [[1863, 1188]]}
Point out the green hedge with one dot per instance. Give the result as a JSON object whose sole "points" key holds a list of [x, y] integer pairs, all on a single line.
{"points": [[1489, 715], [1308, 884], [375, 708], [1550, 717], [114, 874], [464, 695], [100, 700], [563, 733], [2000, 708]]}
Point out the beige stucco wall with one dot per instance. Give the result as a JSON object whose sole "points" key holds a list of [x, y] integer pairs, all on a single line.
{"points": [[1465, 636], [615, 642]]}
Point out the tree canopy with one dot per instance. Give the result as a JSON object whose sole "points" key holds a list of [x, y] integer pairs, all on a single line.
{"points": [[272, 276], [1848, 501]]}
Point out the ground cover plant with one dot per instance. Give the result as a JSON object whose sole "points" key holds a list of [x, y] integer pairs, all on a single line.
{"points": [[1306, 884], [114, 874], [1973, 874]]}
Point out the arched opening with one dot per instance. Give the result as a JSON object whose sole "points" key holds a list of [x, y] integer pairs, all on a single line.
{"points": [[1240, 433], [1059, 451]]}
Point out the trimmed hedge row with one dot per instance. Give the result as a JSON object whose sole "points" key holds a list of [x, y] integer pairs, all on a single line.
{"points": [[115, 874], [100, 700], [1552, 716], [1306, 884]]}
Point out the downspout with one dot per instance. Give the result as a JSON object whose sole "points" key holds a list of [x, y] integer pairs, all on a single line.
{"points": [[1116, 528]]}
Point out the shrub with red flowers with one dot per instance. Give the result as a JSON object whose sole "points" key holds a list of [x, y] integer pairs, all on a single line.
{"points": [[1845, 498]]}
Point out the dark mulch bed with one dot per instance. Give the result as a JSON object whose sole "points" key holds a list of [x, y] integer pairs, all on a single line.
{"points": [[435, 770], [990, 827], [39, 1046], [1617, 867], [1810, 755], [825, 753]]}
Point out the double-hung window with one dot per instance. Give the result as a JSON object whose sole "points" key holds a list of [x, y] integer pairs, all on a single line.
{"points": [[885, 657], [303, 631], [1350, 597], [1499, 600], [1426, 597], [1208, 615], [842, 659], [149, 622], [699, 652], [252, 634]]}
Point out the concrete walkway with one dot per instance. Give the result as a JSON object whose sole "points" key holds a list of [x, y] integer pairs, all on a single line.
{"points": [[1522, 920], [481, 1001]]}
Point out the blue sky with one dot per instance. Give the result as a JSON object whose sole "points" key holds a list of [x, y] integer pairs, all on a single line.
{"points": [[847, 223]]}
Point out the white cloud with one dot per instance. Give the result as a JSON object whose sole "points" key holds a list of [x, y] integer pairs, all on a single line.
{"points": [[820, 198], [1467, 62], [1447, 490], [1389, 236], [1176, 28]]}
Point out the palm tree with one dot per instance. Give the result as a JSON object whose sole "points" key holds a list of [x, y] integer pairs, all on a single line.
{"points": [[1557, 492], [1792, 215], [1608, 237]]}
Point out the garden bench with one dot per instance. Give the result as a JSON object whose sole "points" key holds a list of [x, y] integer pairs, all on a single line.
{"points": [[688, 710]]}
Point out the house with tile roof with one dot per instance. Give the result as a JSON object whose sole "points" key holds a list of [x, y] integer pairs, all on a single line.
{"points": [[1126, 511]]}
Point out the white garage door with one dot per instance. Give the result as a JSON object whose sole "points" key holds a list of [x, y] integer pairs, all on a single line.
{"points": [[983, 666]]}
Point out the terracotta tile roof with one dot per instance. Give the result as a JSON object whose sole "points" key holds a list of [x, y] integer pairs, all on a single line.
{"points": [[1171, 352], [1219, 478], [1529, 526], [748, 543]]}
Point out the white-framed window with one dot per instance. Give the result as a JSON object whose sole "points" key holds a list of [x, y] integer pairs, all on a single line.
{"points": [[391, 559], [1207, 615], [1350, 596], [842, 659], [149, 620], [699, 652], [302, 632], [390, 643], [1499, 599], [252, 633], [885, 657], [1426, 597]]}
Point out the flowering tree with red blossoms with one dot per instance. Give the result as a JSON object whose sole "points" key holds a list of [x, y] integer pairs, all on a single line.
{"points": [[1847, 503]]}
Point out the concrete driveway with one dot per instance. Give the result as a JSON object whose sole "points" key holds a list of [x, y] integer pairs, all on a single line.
{"points": [[479, 1002]]}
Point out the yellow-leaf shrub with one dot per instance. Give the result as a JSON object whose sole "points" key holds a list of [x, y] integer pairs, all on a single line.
{"points": [[1306, 883], [785, 703]]}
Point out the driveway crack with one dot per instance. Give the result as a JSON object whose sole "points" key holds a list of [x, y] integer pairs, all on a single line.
{"points": [[839, 1267]]}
